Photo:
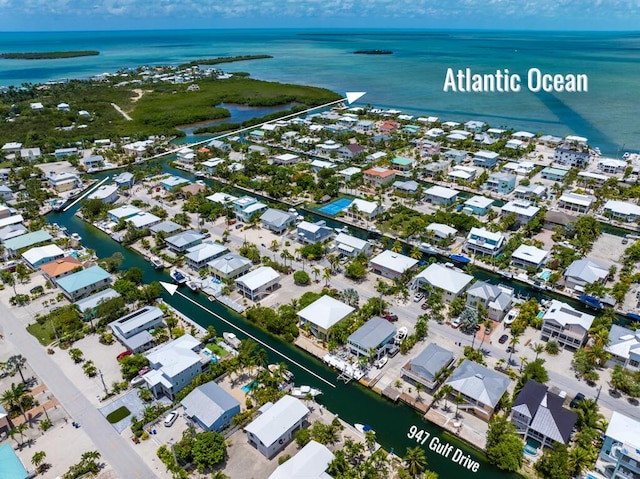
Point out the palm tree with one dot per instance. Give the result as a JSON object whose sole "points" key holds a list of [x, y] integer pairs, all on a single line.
{"points": [[333, 260], [419, 388], [15, 396], [512, 343], [16, 363], [446, 390], [415, 253], [415, 461], [538, 348], [316, 273], [8, 278], [37, 460], [396, 247], [589, 415], [275, 246], [20, 429], [579, 460], [219, 475], [327, 276], [459, 400]]}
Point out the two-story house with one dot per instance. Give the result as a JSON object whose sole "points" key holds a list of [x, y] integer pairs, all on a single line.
{"points": [[566, 325]]}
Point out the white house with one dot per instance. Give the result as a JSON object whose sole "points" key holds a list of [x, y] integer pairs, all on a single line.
{"points": [[199, 255], [527, 256], [582, 272], [624, 348], [363, 208], [229, 266], [351, 246], [622, 210], [322, 314], [567, 156], [311, 462], [258, 283], [36, 257], [612, 166], [439, 195], [523, 210], [442, 231], [568, 326], [276, 220], [497, 299], [620, 448], [132, 330], [105, 193], [483, 241], [446, 279], [392, 265]]}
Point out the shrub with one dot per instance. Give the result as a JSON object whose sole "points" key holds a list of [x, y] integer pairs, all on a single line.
{"points": [[301, 278]]}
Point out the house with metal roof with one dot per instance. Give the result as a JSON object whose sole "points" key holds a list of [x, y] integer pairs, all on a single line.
{"points": [[247, 207], [222, 198], [568, 326], [258, 283], [11, 231], [123, 212], [582, 272], [481, 388], [322, 314], [538, 415], [576, 202], [199, 255], [40, 255], [442, 231], [522, 209], [567, 156], [181, 242], [622, 210], [229, 266], [105, 193], [311, 462], [14, 245], [5, 193], [497, 299], [63, 181], [483, 241], [462, 173], [124, 180], [527, 256], [439, 195], [530, 193], [486, 159], [210, 407], [502, 183], [372, 339], [450, 281], [426, 366], [407, 187], [132, 330], [166, 226], [272, 430], [554, 174], [88, 306], [173, 182], [351, 246], [276, 221], [624, 348], [78, 285], [402, 164], [362, 208], [620, 451], [390, 264], [311, 233], [478, 205], [11, 220], [143, 220]]}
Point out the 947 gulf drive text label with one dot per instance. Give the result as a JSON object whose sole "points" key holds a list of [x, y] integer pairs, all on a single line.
{"points": [[443, 448], [504, 81]]}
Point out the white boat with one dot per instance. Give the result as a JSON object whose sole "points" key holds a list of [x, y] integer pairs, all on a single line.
{"points": [[231, 339], [363, 428], [381, 362], [178, 276], [304, 392], [505, 274], [156, 262], [400, 334], [427, 248], [275, 369], [193, 285]]}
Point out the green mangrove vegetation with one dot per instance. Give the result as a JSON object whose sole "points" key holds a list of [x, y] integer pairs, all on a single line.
{"points": [[48, 55], [218, 60]]}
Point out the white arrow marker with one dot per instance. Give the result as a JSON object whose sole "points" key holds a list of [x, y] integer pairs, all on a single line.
{"points": [[354, 96], [171, 288]]}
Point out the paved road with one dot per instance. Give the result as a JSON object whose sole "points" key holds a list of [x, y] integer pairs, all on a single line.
{"points": [[114, 449]]}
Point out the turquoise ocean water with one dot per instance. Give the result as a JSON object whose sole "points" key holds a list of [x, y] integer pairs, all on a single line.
{"points": [[411, 79]]}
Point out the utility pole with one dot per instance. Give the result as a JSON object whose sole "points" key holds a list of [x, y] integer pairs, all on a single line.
{"points": [[103, 384]]}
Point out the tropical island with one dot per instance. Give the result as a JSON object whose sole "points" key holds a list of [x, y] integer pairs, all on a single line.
{"points": [[373, 52], [218, 60], [48, 55]]}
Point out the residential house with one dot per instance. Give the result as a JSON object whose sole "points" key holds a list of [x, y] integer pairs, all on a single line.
{"points": [[277, 221], [457, 156], [124, 180], [496, 299], [475, 126], [515, 144], [311, 233], [620, 448], [12, 147], [566, 325], [166, 226], [462, 173], [519, 168], [78, 285], [200, 255], [612, 166], [402, 164], [365, 126], [379, 176], [624, 348], [274, 428], [360, 208], [14, 245], [440, 231], [319, 165], [174, 365], [132, 330], [60, 268], [61, 153], [30, 154], [351, 246], [372, 339], [622, 211], [576, 202], [483, 241], [63, 106], [350, 151], [523, 135], [285, 159], [258, 283], [485, 159], [211, 165], [322, 314], [348, 173], [219, 145], [181, 242], [435, 168], [388, 126], [12, 220], [173, 182], [210, 407], [523, 210], [122, 213], [40, 255], [247, 207], [392, 265], [480, 388], [564, 155], [439, 195], [434, 133], [478, 205], [11, 231], [427, 366], [63, 181], [449, 281], [408, 187], [143, 220], [229, 266], [105, 193], [502, 183], [538, 415], [92, 161], [554, 174], [582, 272], [550, 140], [428, 148], [222, 198], [311, 462], [186, 156], [530, 193], [526, 256], [329, 148], [591, 179]]}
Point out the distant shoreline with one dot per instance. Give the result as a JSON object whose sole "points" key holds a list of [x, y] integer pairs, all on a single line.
{"points": [[373, 52], [48, 55]]}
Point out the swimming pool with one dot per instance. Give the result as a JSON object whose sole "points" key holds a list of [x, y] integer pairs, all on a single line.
{"points": [[246, 388], [336, 207], [531, 447], [11, 465], [74, 254], [546, 274]]}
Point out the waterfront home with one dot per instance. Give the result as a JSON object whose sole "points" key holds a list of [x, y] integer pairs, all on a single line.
{"points": [[475, 126], [501, 183], [483, 241], [88, 306], [82, 283], [372, 339], [5, 193], [105, 193], [285, 159], [222, 198], [620, 447], [575, 202], [435, 167], [567, 156], [186, 155], [247, 207], [14, 245], [61, 153], [40, 255], [132, 330], [256, 135], [497, 300], [63, 181], [566, 325], [124, 180], [174, 365], [392, 265], [530, 193], [12, 147], [427, 366], [523, 211], [378, 176], [219, 145], [462, 173], [496, 132], [122, 213], [60, 268], [351, 246], [11, 231], [458, 135], [143, 220], [166, 226], [624, 348], [622, 211], [407, 187], [310, 233], [210, 407], [30, 154], [322, 314], [457, 156], [515, 144], [211, 164], [375, 157], [612, 166], [258, 283], [538, 415], [591, 179], [311, 462], [485, 159], [274, 429], [582, 272], [92, 161], [388, 126], [277, 221], [181, 242], [434, 133], [173, 182], [199, 255], [12, 220], [318, 165], [520, 168], [229, 266], [450, 124], [402, 164], [478, 205], [440, 195], [554, 174], [360, 208], [441, 231], [447, 280], [481, 388], [350, 151], [137, 148], [550, 140], [527, 256], [348, 173]]}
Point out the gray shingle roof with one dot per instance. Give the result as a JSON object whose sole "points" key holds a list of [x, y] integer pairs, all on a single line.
{"points": [[208, 402], [431, 361], [372, 333], [478, 382]]}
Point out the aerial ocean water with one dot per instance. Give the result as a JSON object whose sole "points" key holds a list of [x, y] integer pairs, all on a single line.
{"points": [[411, 79]]}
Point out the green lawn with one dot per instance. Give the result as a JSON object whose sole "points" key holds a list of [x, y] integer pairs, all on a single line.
{"points": [[43, 333], [118, 415], [217, 350]]}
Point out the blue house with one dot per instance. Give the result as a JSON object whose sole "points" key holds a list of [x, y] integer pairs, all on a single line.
{"points": [[311, 233], [503, 183], [478, 205], [486, 159], [210, 406], [124, 180], [83, 283], [173, 182]]}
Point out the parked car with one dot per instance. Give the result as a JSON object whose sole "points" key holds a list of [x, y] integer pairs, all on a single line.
{"points": [[391, 317], [123, 354], [503, 339], [418, 297], [576, 400], [456, 323], [170, 419], [137, 381]]}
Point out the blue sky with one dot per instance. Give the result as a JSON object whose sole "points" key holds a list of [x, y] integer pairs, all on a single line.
{"points": [[43, 15]]}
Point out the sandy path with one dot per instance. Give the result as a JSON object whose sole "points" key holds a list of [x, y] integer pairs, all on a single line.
{"points": [[122, 112]]}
